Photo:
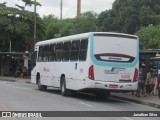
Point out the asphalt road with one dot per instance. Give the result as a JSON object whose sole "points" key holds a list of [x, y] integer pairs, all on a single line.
{"points": [[16, 96]]}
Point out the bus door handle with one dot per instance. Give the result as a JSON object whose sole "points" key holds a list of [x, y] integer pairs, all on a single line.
{"points": [[75, 66]]}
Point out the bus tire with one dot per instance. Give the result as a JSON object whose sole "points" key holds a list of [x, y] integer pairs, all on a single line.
{"points": [[64, 90], [40, 87]]}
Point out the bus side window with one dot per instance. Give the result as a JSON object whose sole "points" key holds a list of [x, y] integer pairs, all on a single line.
{"points": [[66, 51], [40, 54], [83, 49], [59, 48], [52, 54], [46, 53], [75, 50]]}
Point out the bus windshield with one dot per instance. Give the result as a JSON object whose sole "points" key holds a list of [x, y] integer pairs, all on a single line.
{"points": [[33, 59], [115, 48]]}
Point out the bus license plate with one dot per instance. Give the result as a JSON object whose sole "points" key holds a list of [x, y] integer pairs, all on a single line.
{"points": [[113, 86]]}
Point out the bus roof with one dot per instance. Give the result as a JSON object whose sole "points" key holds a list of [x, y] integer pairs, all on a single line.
{"points": [[77, 36]]}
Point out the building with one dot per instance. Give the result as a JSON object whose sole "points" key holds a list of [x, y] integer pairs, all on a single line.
{"points": [[150, 58], [9, 62]]}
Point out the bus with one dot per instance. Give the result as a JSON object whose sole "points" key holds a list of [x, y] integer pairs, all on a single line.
{"points": [[98, 62]]}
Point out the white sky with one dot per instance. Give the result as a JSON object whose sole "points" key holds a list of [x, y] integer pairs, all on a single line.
{"points": [[69, 6]]}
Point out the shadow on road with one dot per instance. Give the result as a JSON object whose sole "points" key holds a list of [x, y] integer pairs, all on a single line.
{"points": [[83, 96]]}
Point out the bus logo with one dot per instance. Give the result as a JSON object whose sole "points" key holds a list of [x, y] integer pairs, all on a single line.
{"points": [[46, 69], [114, 70]]}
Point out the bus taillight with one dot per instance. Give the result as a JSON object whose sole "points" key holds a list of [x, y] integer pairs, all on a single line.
{"points": [[91, 73], [135, 75]]}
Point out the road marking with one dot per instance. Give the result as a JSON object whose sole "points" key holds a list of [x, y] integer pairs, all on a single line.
{"points": [[86, 104], [127, 118]]}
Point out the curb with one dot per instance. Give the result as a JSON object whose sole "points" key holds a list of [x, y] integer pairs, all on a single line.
{"points": [[11, 80], [137, 101]]}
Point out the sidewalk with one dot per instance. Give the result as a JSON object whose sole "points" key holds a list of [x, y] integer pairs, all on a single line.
{"points": [[13, 79], [153, 101]]}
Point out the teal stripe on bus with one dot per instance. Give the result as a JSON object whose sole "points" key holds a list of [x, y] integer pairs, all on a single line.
{"points": [[115, 64]]}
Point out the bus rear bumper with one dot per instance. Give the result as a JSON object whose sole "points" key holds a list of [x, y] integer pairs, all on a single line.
{"points": [[116, 86], [113, 86]]}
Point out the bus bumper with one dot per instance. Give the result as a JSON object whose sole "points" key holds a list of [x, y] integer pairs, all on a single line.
{"points": [[113, 86], [117, 86]]}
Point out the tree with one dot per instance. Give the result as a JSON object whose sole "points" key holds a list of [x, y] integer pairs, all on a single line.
{"points": [[145, 16], [17, 26], [128, 16], [105, 21], [30, 3], [149, 37], [52, 27], [86, 22]]}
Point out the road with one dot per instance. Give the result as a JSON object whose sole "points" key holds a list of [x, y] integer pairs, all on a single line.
{"points": [[15, 96]]}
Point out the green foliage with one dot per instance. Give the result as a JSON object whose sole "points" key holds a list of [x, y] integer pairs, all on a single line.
{"points": [[145, 16], [128, 16], [149, 37], [53, 26], [17, 26], [85, 23]]}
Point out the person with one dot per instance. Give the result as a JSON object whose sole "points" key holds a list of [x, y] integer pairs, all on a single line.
{"points": [[153, 82], [158, 86], [24, 72], [143, 79], [147, 88], [139, 83], [148, 74], [19, 71]]}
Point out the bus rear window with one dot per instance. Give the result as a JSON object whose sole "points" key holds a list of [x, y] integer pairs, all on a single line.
{"points": [[115, 48]]}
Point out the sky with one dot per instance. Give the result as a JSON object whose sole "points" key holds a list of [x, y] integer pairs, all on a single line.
{"points": [[69, 6]]}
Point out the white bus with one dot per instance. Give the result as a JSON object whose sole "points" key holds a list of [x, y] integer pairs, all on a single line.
{"points": [[96, 61]]}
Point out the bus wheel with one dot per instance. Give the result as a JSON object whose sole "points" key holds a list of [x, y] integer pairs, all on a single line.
{"points": [[41, 87], [64, 90]]}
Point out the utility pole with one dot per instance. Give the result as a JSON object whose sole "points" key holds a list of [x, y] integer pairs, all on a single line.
{"points": [[35, 22], [78, 7], [61, 9]]}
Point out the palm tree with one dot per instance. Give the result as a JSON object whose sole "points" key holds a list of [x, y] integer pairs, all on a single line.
{"points": [[30, 3], [3, 4], [21, 7]]}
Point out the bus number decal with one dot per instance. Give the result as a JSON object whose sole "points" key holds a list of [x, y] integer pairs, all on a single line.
{"points": [[125, 76], [81, 71], [46, 69]]}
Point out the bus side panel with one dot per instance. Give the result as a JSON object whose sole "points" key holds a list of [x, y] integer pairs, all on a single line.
{"points": [[33, 76], [45, 72]]}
